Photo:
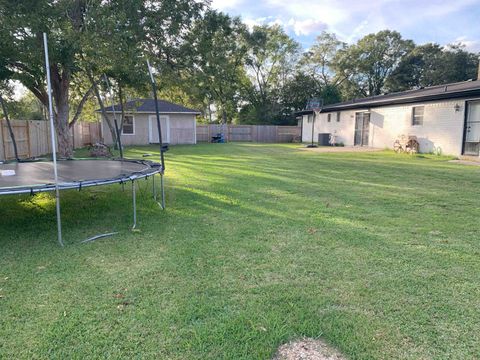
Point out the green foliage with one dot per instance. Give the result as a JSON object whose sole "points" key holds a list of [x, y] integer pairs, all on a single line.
{"points": [[368, 63], [431, 64], [270, 62], [319, 60], [26, 108], [216, 56]]}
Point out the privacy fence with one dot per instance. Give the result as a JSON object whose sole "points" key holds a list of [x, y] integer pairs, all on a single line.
{"points": [[250, 133], [33, 137]]}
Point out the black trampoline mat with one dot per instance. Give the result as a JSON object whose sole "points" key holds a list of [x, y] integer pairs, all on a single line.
{"points": [[72, 173]]}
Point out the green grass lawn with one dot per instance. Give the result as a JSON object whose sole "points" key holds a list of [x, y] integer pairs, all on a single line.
{"points": [[376, 253]]}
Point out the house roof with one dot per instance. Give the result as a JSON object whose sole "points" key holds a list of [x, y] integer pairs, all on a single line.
{"points": [[462, 89], [148, 106]]}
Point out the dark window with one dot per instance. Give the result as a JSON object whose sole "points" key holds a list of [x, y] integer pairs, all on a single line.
{"points": [[329, 117], [417, 115], [310, 118], [338, 116], [128, 127]]}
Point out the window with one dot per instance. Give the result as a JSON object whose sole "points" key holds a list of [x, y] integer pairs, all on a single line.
{"points": [[128, 127], [329, 117], [310, 118], [417, 115], [338, 116]]}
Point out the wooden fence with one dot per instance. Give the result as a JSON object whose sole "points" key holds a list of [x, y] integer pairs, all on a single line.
{"points": [[33, 137], [250, 133]]}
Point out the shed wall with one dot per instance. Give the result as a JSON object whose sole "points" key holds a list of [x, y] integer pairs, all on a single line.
{"points": [[181, 129]]}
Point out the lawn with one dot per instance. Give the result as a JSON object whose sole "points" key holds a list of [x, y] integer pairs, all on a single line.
{"points": [[376, 253]]}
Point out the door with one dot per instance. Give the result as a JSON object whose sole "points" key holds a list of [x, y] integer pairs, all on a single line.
{"points": [[362, 128], [153, 129], [471, 144]]}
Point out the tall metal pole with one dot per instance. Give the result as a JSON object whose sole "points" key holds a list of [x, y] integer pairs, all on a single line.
{"points": [[154, 90], [52, 138], [313, 125], [117, 129]]}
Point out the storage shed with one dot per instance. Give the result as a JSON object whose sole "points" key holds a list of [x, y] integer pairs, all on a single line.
{"points": [[140, 124]]}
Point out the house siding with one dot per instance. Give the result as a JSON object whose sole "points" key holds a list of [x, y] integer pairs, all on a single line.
{"points": [[442, 126], [181, 129]]}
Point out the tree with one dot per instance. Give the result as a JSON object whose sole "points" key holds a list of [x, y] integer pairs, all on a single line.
{"points": [[270, 62], [367, 64], [158, 27], [318, 61], [216, 56], [22, 28], [431, 64]]}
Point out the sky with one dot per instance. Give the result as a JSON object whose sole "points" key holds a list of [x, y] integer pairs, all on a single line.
{"points": [[440, 21]]}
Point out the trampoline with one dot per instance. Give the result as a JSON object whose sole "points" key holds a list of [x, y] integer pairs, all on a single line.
{"points": [[35, 176]]}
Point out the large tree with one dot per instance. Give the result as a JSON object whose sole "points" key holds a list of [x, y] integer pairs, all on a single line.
{"points": [[319, 61], [216, 55], [432, 64], [270, 63], [75, 28], [367, 64]]}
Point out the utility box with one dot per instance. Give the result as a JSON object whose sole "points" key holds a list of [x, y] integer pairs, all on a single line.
{"points": [[324, 139]]}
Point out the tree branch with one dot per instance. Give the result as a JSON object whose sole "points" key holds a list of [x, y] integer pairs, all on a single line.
{"points": [[80, 106]]}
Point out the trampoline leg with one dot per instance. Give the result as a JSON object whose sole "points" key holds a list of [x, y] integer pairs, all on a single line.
{"points": [[59, 219], [134, 196], [154, 188], [163, 192]]}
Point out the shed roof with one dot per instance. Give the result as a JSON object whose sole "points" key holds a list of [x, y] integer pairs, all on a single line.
{"points": [[462, 89], [148, 106]]}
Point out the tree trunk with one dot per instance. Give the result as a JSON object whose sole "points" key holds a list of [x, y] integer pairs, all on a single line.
{"points": [[60, 89], [65, 146]]}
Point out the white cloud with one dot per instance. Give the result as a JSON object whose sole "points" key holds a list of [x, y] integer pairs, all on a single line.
{"points": [[254, 22], [353, 19], [306, 27], [470, 44], [226, 4]]}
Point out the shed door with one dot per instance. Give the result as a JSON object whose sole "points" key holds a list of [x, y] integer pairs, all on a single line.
{"points": [[153, 129]]}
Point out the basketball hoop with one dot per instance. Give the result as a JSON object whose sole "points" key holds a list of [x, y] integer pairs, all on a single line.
{"points": [[314, 103]]}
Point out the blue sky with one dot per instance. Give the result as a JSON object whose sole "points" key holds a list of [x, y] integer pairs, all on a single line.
{"points": [[423, 21]]}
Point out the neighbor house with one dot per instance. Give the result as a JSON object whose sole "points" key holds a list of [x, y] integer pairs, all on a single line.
{"points": [[178, 123], [444, 118]]}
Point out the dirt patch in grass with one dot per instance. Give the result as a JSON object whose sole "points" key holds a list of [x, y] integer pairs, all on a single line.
{"points": [[307, 349]]}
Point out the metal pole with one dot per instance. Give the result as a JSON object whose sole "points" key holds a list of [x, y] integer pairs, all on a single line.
{"points": [[154, 90], [117, 129], [163, 192], [52, 136], [313, 124], [134, 196], [154, 188]]}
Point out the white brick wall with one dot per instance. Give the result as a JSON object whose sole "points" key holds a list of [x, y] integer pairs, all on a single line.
{"points": [[442, 126]]}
